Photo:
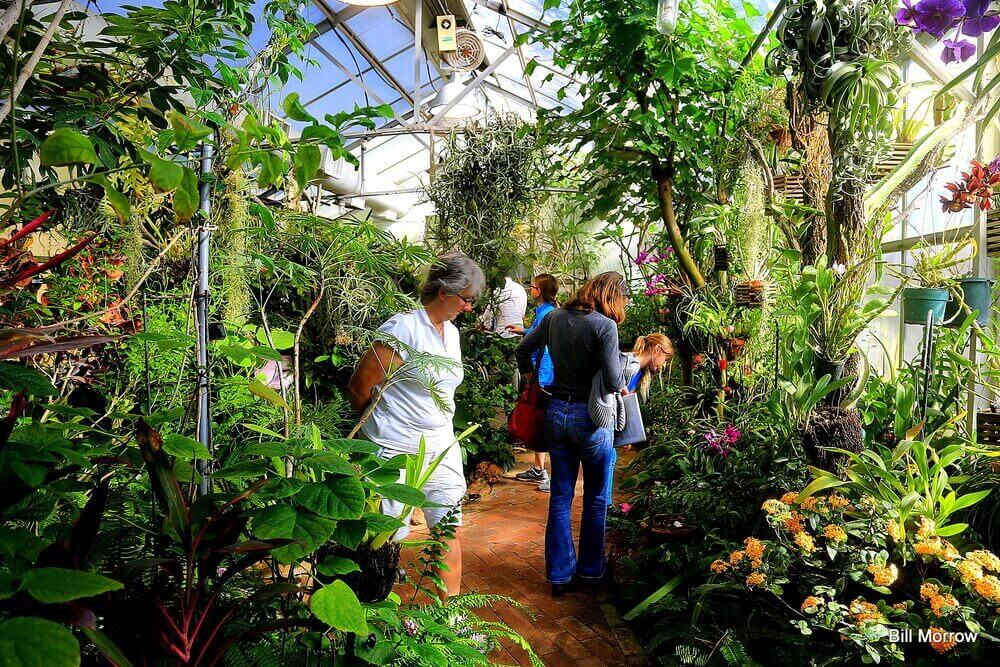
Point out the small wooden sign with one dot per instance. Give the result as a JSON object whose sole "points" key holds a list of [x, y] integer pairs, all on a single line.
{"points": [[446, 33]]}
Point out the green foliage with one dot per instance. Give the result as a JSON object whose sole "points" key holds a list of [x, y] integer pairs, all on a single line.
{"points": [[486, 397], [486, 184]]}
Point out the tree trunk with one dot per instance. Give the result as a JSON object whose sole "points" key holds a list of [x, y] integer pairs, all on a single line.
{"points": [[669, 216]]}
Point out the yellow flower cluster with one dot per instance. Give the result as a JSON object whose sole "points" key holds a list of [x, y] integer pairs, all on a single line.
{"points": [[895, 532], [718, 566], [736, 557], [900, 605], [935, 546], [883, 575], [754, 548], [811, 602], [805, 542], [756, 579], [811, 503], [865, 612], [837, 501], [868, 503], [835, 533], [941, 604], [925, 529], [789, 497], [794, 523], [988, 587], [772, 506], [969, 571], [986, 559], [944, 642]]}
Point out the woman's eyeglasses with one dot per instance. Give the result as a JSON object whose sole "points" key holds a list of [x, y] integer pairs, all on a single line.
{"points": [[467, 299]]}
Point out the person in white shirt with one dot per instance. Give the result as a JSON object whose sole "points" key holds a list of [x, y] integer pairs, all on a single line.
{"points": [[406, 409], [507, 308]]}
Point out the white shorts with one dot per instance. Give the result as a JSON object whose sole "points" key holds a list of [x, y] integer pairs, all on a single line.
{"points": [[446, 486]]}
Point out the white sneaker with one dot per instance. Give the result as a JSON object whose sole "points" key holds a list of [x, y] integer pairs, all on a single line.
{"points": [[544, 487]]}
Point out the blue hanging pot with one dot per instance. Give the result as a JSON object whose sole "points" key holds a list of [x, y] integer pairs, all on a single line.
{"points": [[977, 295], [918, 301]]}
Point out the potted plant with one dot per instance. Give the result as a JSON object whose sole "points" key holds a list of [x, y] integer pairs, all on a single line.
{"points": [[369, 562], [969, 294], [933, 271]]}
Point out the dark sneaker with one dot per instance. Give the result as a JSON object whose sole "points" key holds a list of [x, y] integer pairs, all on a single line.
{"points": [[532, 474]]}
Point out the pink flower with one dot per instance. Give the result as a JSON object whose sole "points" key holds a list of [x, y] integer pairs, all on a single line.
{"points": [[625, 508], [732, 434], [644, 257]]}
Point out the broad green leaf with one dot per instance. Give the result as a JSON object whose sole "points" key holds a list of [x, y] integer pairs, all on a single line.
{"points": [[403, 494], [335, 565], [183, 447], [382, 523], [258, 388], [818, 485], [295, 523], [330, 463], [350, 533], [107, 647], [53, 585], [165, 176], [242, 470], [280, 487], [294, 109], [186, 197], [187, 133], [65, 146], [280, 338], [336, 497], [338, 606], [307, 162], [952, 529], [27, 641], [16, 377]]}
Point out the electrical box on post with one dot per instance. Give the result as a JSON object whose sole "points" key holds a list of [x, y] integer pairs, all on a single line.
{"points": [[446, 32]]}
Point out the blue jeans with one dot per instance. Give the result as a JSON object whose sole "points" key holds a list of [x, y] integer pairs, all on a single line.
{"points": [[611, 476], [573, 440]]}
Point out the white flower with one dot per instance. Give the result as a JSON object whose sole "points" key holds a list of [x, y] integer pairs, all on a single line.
{"points": [[839, 268]]}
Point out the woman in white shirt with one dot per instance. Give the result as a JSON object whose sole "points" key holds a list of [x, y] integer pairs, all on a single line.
{"points": [[407, 409]]}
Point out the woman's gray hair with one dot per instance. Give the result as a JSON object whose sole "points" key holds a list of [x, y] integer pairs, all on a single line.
{"points": [[452, 273]]}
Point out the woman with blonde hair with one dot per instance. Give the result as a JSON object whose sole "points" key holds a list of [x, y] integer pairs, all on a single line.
{"points": [[582, 338]]}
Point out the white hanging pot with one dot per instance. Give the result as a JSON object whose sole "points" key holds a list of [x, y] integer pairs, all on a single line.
{"points": [[666, 16]]}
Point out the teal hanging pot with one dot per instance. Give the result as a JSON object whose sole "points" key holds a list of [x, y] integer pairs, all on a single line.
{"points": [[918, 301], [977, 295]]}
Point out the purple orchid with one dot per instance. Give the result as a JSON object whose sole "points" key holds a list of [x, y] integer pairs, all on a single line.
{"points": [[995, 165], [937, 16], [978, 18], [957, 50], [732, 434], [643, 257], [907, 15]]}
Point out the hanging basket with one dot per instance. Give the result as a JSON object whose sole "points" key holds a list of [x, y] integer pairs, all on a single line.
{"points": [[721, 259], [791, 186], [378, 574], [918, 301], [663, 528], [750, 294], [988, 429], [976, 294], [733, 347]]}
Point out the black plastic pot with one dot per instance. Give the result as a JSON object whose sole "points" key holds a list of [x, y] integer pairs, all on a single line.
{"points": [[379, 571], [823, 366], [832, 427]]}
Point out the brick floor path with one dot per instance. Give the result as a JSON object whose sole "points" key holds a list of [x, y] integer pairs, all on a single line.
{"points": [[503, 543]]}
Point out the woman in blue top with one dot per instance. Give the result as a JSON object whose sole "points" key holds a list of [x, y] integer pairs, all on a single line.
{"points": [[544, 288]]}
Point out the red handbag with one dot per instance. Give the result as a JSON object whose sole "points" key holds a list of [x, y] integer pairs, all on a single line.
{"points": [[526, 422]]}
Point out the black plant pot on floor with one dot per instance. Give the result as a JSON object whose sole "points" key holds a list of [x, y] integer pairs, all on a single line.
{"points": [[832, 427], [379, 570]]}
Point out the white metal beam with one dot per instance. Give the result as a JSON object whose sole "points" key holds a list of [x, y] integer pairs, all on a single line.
{"points": [[472, 85]]}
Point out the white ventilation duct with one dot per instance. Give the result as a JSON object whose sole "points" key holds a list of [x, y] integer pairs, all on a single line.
{"points": [[342, 178]]}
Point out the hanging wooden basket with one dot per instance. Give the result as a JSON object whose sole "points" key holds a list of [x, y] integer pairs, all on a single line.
{"points": [[791, 187], [988, 429], [750, 294]]}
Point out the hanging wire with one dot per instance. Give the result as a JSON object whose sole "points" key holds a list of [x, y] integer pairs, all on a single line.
{"points": [[357, 66]]}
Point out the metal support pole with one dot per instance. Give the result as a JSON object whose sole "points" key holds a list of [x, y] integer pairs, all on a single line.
{"points": [[418, 38], [201, 300], [926, 363]]}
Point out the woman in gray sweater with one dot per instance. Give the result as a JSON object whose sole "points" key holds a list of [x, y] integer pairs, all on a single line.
{"points": [[582, 338]]}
